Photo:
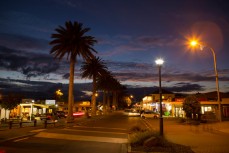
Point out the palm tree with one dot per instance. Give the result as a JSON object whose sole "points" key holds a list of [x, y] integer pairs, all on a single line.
{"points": [[103, 84], [122, 93], [92, 69], [72, 41], [117, 87]]}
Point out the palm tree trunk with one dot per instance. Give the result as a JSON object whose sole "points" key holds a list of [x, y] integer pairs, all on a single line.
{"points": [[104, 102], [93, 98], [117, 100], [108, 102], [70, 91], [114, 99]]}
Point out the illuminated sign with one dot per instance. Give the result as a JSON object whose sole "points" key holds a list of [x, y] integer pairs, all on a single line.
{"points": [[50, 102]]}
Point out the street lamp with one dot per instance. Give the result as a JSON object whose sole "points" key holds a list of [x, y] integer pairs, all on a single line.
{"points": [[159, 63], [202, 46], [59, 93]]}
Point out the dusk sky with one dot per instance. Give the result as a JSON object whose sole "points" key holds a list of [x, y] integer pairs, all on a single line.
{"points": [[131, 35]]}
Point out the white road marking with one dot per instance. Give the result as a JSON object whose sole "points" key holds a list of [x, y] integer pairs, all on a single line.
{"points": [[80, 138], [101, 128], [20, 139], [93, 131], [38, 130]]}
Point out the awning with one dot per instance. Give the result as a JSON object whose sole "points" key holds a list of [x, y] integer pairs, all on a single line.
{"points": [[34, 105]]}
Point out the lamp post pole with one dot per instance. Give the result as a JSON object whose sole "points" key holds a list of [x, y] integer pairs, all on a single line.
{"points": [[160, 93], [159, 62], [202, 46], [217, 83]]}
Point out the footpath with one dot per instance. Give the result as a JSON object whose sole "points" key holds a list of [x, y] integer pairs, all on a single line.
{"points": [[28, 129], [203, 138]]}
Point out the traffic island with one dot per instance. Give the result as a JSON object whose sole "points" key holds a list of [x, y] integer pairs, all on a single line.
{"points": [[144, 140]]}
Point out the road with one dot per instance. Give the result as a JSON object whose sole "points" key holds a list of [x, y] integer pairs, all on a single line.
{"points": [[107, 134]]}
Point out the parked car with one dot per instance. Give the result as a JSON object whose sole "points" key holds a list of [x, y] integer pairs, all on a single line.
{"points": [[150, 114], [131, 112], [61, 114], [45, 116]]}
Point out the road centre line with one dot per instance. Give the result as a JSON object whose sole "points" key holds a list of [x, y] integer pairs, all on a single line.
{"points": [[94, 131], [80, 138]]}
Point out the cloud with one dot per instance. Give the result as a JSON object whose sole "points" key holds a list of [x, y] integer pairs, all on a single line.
{"points": [[123, 44], [186, 87], [70, 3], [66, 76], [25, 43], [29, 64], [181, 87], [143, 72], [151, 41]]}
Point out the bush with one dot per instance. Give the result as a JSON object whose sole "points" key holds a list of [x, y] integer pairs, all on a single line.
{"points": [[181, 120], [138, 138], [139, 135], [148, 141], [136, 129]]}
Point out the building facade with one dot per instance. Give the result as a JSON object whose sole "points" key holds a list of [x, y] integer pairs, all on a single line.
{"points": [[173, 107]]}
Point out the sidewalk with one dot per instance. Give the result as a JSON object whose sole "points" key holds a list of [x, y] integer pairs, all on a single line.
{"points": [[223, 126], [215, 127], [206, 137], [17, 132], [28, 129]]}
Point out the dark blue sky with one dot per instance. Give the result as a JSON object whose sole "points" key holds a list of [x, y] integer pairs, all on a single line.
{"points": [[131, 35]]}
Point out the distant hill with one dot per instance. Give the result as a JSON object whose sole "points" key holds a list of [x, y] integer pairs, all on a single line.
{"points": [[46, 90], [42, 90]]}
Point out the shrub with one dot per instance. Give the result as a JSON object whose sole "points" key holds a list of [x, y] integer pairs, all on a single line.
{"points": [[136, 129], [181, 120], [138, 138]]}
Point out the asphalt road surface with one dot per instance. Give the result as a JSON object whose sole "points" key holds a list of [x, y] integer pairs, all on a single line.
{"points": [[108, 134], [104, 135]]}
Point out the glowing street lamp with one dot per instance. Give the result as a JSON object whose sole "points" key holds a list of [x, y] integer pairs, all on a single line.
{"points": [[159, 63], [59, 93], [193, 43], [202, 46]]}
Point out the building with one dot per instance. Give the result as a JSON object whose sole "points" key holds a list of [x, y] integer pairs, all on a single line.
{"points": [[152, 102], [172, 106], [28, 109]]}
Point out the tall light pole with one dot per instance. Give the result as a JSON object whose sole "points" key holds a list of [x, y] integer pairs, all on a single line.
{"points": [[58, 94], [202, 46], [159, 63]]}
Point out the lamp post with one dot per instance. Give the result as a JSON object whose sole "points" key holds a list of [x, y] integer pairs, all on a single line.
{"points": [[202, 46], [58, 95], [159, 63]]}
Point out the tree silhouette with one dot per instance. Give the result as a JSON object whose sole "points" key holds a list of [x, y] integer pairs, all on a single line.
{"points": [[191, 106], [71, 41], [92, 69]]}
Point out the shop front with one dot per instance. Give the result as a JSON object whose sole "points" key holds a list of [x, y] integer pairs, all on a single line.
{"points": [[29, 111]]}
